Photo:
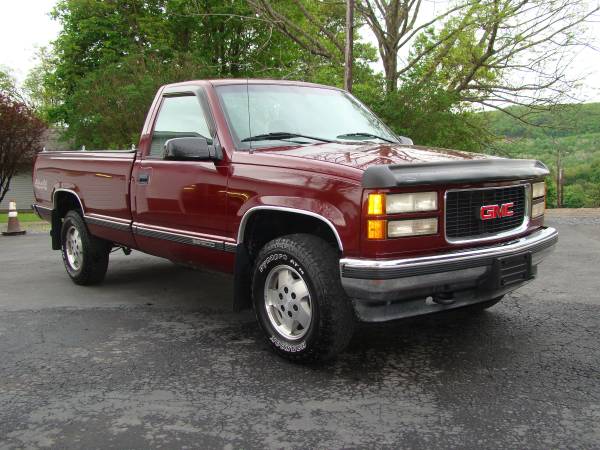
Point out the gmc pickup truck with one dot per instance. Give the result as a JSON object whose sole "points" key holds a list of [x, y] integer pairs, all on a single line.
{"points": [[323, 216]]}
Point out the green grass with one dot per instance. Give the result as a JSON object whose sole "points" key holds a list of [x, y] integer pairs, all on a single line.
{"points": [[23, 217]]}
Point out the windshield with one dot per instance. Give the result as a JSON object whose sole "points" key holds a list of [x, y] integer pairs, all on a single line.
{"points": [[269, 114]]}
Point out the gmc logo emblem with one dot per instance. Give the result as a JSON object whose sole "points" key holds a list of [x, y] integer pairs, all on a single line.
{"points": [[488, 212]]}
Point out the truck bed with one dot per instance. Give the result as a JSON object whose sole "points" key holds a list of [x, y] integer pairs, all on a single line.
{"points": [[103, 176]]}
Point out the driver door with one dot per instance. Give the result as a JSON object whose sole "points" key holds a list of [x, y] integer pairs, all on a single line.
{"points": [[179, 206]]}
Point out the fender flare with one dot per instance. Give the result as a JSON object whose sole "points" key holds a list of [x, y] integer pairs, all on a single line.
{"points": [[70, 191], [248, 214]]}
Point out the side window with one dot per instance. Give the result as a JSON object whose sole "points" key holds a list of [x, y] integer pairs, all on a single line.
{"points": [[178, 117]]}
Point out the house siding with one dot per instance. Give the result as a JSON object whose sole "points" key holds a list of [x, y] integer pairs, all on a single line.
{"points": [[21, 191]]}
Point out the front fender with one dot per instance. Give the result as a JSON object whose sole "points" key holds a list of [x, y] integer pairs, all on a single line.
{"points": [[326, 212]]}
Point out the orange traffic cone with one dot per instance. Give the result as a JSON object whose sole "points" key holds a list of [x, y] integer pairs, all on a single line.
{"points": [[14, 228]]}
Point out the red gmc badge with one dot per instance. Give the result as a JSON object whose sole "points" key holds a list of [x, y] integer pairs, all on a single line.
{"points": [[488, 212]]}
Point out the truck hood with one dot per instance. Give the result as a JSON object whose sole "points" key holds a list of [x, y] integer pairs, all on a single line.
{"points": [[396, 165], [362, 156]]}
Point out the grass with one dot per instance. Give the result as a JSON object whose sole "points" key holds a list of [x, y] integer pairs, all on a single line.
{"points": [[23, 217]]}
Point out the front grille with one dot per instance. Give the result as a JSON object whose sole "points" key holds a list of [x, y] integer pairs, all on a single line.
{"points": [[463, 219]]}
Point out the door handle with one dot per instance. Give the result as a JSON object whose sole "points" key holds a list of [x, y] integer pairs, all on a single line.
{"points": [[143, 178]]}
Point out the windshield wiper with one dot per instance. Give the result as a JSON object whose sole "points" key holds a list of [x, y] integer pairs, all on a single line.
{"points": [[282, 135], [367, 135]]}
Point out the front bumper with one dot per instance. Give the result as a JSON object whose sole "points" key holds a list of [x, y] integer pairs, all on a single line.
{"points": [[391, 289]]}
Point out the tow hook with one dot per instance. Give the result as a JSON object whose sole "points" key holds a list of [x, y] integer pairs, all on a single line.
{"points": [[444, 298]]}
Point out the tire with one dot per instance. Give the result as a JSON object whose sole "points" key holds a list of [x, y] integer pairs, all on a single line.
{"points": [[85, 256], [299, 300]]}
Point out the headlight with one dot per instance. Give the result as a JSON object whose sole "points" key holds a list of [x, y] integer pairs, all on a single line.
{"points": [[405, 203], [414, 227], [538, 189], [537, 209]]}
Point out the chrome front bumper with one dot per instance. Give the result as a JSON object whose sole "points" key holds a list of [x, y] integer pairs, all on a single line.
{"points": [[391, 289]]}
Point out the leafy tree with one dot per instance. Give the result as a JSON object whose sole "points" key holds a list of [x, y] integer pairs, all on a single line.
{"points": [[111, 56], [575, 196], [8, 84], [35, 88], [20, 135]]}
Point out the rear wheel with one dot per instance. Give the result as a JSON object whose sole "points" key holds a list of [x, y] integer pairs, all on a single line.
{"points": [[85, 256], [298, 298]]}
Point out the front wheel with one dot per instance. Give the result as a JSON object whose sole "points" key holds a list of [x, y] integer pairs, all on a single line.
{"points": [[85, 256], [298, 298]]}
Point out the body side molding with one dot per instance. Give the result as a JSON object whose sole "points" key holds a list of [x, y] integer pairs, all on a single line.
{"points": [[183, 237], [108, 222]]}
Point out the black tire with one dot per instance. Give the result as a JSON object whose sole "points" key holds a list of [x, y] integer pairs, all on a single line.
{"points": [[92, 253], [332, 316]]}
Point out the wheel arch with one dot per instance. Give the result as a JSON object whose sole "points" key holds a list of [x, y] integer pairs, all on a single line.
{"points": [[253, 212], [281, 221], [63, 201]]}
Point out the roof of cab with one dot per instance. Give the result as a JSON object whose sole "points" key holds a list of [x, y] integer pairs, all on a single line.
{"points": [[230, 81]]}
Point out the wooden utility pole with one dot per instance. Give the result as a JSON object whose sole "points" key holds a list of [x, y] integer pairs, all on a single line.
{"points": [[349, 45], [559, 180]]}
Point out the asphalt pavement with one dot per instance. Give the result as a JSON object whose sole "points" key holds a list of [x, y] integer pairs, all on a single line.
{"points": [[155, 358]]}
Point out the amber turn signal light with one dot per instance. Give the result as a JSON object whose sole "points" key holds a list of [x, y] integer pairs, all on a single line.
{"points": [[376, 229], [376, 204]]}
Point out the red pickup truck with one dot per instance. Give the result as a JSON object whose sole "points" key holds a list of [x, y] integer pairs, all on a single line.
{"points": [[322, 214]]}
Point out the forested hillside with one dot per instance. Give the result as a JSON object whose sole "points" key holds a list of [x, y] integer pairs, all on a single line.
{"points": [[568, 137]]}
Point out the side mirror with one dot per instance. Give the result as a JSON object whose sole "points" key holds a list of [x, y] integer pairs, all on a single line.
{"points": [[190, 148]]}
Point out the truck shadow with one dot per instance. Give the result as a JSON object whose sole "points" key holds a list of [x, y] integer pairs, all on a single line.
{"points": [[399, 348], [452, 343], [166, 283]]}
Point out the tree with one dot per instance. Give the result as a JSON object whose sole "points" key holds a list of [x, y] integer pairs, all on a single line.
{"points": [[479, 50], [36, 90], [395, 23], [8, 84], [498, 52], [316, 26], [20, 135], [111, 56]]}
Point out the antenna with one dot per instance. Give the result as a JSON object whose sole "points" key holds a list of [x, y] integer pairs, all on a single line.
{"points": [[251, 150]]}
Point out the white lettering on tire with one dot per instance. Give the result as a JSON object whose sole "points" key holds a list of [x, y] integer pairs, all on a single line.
{"points": [[271, 258], [287, 347]]}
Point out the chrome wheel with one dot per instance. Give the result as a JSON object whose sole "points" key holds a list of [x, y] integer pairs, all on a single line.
{"points": [[73, 248], [287, 302]]}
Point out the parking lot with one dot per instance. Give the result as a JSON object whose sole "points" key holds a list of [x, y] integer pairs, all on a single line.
{"points": [[154, 358]]}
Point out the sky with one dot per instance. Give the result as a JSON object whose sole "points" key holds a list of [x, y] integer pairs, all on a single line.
{"points": [[28, 26]]}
